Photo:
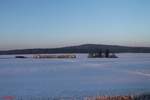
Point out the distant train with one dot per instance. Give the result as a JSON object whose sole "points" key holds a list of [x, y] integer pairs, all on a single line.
{"points": [[54, 56]]}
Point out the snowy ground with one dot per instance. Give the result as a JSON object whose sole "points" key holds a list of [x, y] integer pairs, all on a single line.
{"points": [[128, 74]]}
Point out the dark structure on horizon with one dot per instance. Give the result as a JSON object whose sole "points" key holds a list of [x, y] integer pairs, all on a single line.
{"points": [[20, 57], [99, 54], [107, 53]]}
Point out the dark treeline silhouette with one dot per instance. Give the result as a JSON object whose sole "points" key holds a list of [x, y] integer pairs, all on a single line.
{"points": [[100, 53], [107, 53], [80, 49]]}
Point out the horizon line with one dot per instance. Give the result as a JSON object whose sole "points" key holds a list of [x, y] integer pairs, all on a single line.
{"points": [[74, 46]]}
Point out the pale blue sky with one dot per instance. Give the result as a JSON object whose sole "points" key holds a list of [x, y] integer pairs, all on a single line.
{"points": [[57, 23]]}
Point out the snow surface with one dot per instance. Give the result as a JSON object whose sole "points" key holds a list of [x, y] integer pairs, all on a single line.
{"points": [[128, 74]]}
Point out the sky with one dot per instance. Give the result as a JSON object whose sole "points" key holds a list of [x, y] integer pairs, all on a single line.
{"points": [[58, 23]]}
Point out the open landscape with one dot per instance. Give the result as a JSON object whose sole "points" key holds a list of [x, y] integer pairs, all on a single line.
{"points": [[74, 50], [83, 77]]}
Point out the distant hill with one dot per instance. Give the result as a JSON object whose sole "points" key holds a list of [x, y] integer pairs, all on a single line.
{"points": [[80, 49]]}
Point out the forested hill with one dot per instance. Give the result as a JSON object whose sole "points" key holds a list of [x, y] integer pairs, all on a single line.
{"points": [[80, 49]]}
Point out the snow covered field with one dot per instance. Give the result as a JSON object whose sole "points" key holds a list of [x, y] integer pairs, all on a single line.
{"points": [[128, 74]]}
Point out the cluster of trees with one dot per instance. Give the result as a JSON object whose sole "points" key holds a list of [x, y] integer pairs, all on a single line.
{"points": [[101, 54]]}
